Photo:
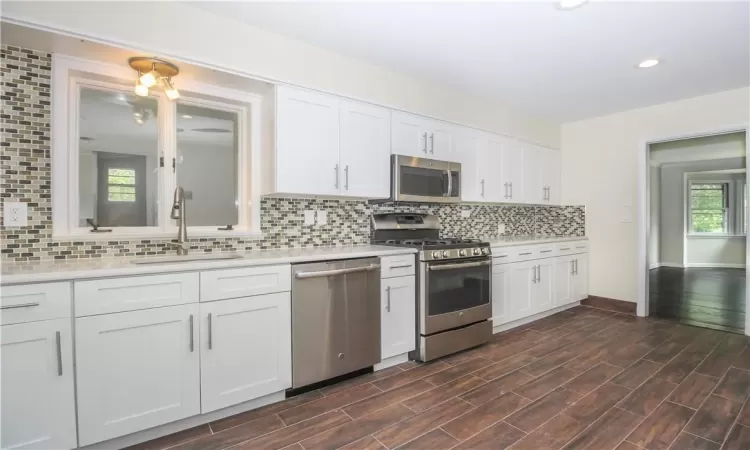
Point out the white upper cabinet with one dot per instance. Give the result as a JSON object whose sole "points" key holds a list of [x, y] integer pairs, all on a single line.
{"points": [[413, 135], [38, 402], [512, 174], [246, 349], [365, 150], [542, 172], [136, 370], [307, 143], [467, 151]]}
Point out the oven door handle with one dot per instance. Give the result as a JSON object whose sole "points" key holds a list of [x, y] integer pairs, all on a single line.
{"points": [[459, 266]]}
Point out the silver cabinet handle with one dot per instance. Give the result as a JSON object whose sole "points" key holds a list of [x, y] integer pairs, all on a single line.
{"points": [[425, 142], [511, 189], [59, 353], [346, 177], [545, 251], [334, 272], [524, 254], [210, 333], [482, 188], [432, 143], [564, 249], [388, 299], [580, 246], [506, 190], [22, 305], [500, 256], [192, 345], [459, 266], [402, 266], [549, 193], [572, 266], [576, 261], [336, 176], [539, 272], [533, 274]]}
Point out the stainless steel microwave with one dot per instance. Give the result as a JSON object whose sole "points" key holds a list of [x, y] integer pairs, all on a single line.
{"points": [[424, 180]]}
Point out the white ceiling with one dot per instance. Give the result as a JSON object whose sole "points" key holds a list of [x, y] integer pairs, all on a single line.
{"points": [[563, 65]]}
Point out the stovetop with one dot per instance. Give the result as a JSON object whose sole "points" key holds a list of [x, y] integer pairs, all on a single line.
{"points": [[434, 244]]}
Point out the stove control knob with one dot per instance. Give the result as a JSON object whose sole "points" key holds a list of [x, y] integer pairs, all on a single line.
{"points": [[475, 252], [462, 253], [436, 255], [485, 251], [446, 254]]}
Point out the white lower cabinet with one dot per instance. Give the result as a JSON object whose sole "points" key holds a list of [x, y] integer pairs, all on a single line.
{"points": [[38, 403], [521, 302], [563, 280], [398, 316], [136, 370], [501, 295], [542, 285], [245, 348], [579, 280]]}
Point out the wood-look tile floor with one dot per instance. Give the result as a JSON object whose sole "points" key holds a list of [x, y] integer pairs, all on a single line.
{"points": [[581, 379]]}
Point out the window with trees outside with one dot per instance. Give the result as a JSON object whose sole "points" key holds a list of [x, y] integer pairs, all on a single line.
{"points": [[121, 185], [709, 208]]}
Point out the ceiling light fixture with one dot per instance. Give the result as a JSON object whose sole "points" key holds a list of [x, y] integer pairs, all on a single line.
{"points": [[567, 5], [645, 64], [152, 72]]}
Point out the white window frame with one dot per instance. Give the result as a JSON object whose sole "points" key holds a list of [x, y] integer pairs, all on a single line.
{"points": [[730, 210], [70, 73]]}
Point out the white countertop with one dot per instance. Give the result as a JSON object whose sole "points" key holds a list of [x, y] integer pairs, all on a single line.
{"points": [[508, 241], [42, 271]]}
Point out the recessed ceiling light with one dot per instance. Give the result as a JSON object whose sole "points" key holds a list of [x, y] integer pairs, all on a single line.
{"points": [[645, 64], [187, 116], [570, 4]]}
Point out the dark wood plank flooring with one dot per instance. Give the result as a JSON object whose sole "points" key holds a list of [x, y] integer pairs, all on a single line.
{"points": [[581, 379], [706, 297]]}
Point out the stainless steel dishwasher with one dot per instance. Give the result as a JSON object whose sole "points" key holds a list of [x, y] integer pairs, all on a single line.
{"points": [[335, 318]]}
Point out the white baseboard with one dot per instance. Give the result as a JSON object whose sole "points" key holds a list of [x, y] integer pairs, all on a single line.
{"points": [[668, 264], [390, 362], [184, 424], [525, 320], [722, 265]]}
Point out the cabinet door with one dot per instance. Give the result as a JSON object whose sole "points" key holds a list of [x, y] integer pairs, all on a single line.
{"points": [[398, 316], [38, 403], [442, 141], [513, 170], [246, 349], [365, 150], [136, 370], [501, 294], [532, 172], [492, 165], [580, 286], [543, 288], [520, 304], [409, 135], [551, 175], [467, 151], [563, 280], [307, 143]]}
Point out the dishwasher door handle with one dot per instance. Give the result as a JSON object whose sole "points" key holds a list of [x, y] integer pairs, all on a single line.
{"points": [[334, 272]]}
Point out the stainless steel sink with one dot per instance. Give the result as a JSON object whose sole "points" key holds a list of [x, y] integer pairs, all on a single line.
{"points": [[186, 258]]}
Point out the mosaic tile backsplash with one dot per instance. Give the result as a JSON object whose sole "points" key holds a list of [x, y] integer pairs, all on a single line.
{"points": [[25, 166]]}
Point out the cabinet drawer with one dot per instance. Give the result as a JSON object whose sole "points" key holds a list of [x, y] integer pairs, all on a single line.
{"points": [[235, 283], [134, 293], [32, 302], [573, 247], [397, 266]]}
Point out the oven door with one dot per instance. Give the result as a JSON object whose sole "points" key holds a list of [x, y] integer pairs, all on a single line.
{"points": [[454, 293], [425, 180]]}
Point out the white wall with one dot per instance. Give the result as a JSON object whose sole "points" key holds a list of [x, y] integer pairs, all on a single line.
{"points": [[654, 216], [716, 251], [600, 158], [672, 217], [202, 38]]}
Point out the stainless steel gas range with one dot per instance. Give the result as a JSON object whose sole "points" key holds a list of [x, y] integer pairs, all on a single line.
{"points": [[453, 283]]}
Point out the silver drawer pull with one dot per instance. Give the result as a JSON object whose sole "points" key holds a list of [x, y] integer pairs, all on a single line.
{"points": [[388, 299], [21, 305], [545, 251], [330, 273], [524, 254], [192, 345], [500, 256], [566, 248], [59, 354], [580, 246], [460, 266], [210, 333], [403, 266]]}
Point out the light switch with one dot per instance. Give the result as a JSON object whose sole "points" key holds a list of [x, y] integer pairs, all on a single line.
{"points": [[310, 217], [322, 217], [15, 214], [501, 228]]}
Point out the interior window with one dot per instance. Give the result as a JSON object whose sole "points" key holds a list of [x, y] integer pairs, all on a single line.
{"points": [[709, 206], [118, 158], [207, 163]]}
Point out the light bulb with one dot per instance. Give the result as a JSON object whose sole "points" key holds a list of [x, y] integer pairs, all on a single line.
{"points": [[149, 79], [648, 63], [141, 90], [172, 93]]}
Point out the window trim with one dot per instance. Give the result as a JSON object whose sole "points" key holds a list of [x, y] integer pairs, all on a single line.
{"points": [[68, 73]]}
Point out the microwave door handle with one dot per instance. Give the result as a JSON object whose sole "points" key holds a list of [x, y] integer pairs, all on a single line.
{"points": [[450, 183]]}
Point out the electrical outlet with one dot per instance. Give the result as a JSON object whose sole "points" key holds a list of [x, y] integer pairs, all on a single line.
{"points": [[465, 213], [310, 217], [501, 228], [15, 214], [322, 217]]}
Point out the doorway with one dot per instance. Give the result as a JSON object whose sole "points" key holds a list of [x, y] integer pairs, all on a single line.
{"points": [[696, 228]]}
